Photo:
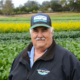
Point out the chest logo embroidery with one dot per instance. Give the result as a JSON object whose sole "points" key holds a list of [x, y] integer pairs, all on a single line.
{"points": [[43, 71]]}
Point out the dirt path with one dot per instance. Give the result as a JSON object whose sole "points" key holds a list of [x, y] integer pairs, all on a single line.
{"points": [[50, 14]]}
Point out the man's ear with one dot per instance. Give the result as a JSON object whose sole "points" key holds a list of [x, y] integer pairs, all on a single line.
{"points": [[52, 33], [52, 30], [30, 31]]}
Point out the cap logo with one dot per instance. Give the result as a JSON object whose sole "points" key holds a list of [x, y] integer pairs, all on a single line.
{"points": [[43, 71], [40, 18]]}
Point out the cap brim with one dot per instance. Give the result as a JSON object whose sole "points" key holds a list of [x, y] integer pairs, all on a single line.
{"points": [[40, 25]]}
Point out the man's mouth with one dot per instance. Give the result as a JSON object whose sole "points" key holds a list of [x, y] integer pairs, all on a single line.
{"points": [[40, 39]]}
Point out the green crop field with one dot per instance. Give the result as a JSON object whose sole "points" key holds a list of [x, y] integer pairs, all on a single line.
{"points": [[55, 17], [11, 44], [27, 20]]}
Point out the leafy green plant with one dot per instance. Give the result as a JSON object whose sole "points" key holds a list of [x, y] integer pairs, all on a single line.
{"points": [[7, 54], [11, 44], [26, 36]]}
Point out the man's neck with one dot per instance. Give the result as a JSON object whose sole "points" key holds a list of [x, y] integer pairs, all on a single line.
{"points": [[38, 53]]}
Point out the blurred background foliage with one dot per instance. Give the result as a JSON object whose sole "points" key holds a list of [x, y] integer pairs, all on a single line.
{"points": [[7, 7]]}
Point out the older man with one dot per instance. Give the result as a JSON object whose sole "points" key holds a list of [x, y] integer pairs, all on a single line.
{"points": [[43, 59]]}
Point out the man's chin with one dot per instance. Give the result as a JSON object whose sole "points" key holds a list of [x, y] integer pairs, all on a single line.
{"points": [[40, 46]]}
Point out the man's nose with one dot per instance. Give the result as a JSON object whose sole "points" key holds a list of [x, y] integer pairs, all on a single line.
{"points": [[40, 34]]}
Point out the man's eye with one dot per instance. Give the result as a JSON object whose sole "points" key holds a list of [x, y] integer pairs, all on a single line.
{"points": [[34, 30], [45, 29]]}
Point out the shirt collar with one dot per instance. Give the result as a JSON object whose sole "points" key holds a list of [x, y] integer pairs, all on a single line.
{"points": [[31, 56]]}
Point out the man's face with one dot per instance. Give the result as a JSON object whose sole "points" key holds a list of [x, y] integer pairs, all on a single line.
{"points": [[41, 37]]}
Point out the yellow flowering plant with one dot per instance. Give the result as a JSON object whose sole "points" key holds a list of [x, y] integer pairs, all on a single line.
{"points": [[24, 27]]}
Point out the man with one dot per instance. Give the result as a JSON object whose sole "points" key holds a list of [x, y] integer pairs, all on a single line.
{"points": [[43, 59]]}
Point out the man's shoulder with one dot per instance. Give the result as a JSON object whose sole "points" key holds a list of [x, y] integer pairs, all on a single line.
{"points": [[28, 48], [19, 55], [60, 48], [62, 51]]}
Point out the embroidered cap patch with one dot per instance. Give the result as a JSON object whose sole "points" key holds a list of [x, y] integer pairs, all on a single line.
{"points": [[40, 18]]}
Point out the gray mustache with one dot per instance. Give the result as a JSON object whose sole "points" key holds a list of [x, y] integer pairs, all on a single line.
{"points": [[40, 38]]}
